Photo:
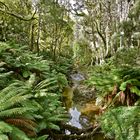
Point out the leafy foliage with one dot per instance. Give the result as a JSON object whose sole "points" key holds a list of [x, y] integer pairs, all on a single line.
{"points": [[118, 79], [118, 82], [30, 101], [113, 119]]}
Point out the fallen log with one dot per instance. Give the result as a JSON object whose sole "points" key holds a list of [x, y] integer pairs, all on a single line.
{"points": [[76, 130], [75, 136]]}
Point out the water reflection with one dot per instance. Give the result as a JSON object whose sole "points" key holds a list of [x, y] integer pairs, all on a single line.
{"points": [[77, 77], [85, 116], [74, 120], [75, 117]]}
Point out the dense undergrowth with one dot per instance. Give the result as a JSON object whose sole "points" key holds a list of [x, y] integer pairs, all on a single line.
{"points": [[31, 87], [117, 84], [30, 93], [41, 39]]}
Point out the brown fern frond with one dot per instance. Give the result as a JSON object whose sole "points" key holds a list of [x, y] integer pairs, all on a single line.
{"points": [[28, 132], [29, 121], [20, 122]]}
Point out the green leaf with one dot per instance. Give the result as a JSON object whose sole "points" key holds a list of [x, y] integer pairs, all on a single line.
{"points": [[135, 90], [13, 101], [53, 126], [123, 86], [26, 73], [31, 80], [56, 118], [42, 137], [42, 125], [130, 81]]}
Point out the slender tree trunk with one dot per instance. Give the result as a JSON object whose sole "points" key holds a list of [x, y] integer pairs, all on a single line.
{"points": [[39, 30], [31, 44]]}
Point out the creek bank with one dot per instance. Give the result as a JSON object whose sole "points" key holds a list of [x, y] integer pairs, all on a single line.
{"points": [[79, 101]]}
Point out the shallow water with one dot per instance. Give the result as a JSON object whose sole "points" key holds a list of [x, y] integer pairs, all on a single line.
{"points": [[80, 116], [75, 117], [74, 108]]}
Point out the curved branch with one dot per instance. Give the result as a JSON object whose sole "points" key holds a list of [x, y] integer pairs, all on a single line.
{"points": [[18, 16], [100, 34], [4, 5], [15, 15]]}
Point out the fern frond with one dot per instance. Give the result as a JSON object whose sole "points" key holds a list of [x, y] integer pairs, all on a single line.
{"points": [[3, 137], [45, 83], [123, 122], [6, 93], [15, 111], [22, 122], [42, 137], [6, 74], [5, 128], [28, 132], [12, 90], [31, 80], [18, 134], [53, 126], [57, 118], [13, 101]]}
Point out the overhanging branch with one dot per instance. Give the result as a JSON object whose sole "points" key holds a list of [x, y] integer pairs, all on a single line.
{"points": [[4, 5], [16, 15]]}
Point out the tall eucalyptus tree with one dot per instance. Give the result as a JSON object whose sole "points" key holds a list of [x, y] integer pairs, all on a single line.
{"points": [[105, 27]]}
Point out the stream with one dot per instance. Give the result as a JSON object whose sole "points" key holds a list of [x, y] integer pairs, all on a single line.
{"points": [[80, 103]]}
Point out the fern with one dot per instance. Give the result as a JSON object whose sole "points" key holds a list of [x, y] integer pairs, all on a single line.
{"points": [[22, 122], [126, 79], [17, 134], [3, 137], [44, 137], [104, 81], [5, 128], [122, 122], [14, 132], [32, 93], [15, 111], [13, 101]]}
